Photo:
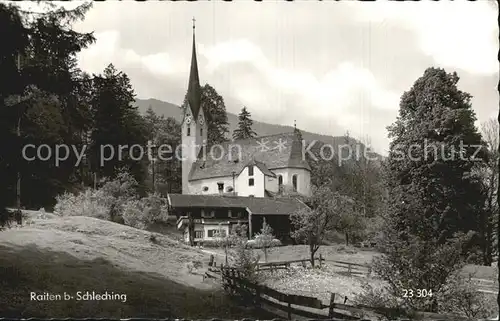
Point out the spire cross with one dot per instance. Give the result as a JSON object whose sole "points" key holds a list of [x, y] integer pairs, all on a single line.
{"points": [[194, 20], [295, 124]]}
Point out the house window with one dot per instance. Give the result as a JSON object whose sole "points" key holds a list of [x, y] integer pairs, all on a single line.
{"points": [[213, 233], [250, 182], [198, 234], [280, 180], [207, 215], [189, 131], [250, 170], [234, 214], [294, 182]]}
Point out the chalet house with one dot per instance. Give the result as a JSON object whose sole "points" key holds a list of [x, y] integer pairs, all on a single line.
{"points": [[240, 180], [210, 214]]}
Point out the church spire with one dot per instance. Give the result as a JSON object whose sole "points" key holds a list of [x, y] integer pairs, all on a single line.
{"points": [[194, 88]]}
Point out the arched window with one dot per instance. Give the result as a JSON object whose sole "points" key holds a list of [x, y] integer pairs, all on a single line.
{"points": [[280, 180], [294, 182], [189, 130]]}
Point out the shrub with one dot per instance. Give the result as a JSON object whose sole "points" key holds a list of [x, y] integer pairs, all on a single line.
{"points": [[133, 214], [87, 203], [117, 193], [146, 211], [381, 300], [244, 258], [155, 209], [210, 243], [460, 296]]}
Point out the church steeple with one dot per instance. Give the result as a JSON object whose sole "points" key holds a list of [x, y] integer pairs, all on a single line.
{"points": [[194, 88]]}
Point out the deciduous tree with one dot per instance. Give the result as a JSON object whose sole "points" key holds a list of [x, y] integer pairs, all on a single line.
{"points": [[435, 198]]}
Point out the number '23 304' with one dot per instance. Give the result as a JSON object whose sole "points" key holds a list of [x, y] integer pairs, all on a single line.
{"points": [[418, 293]]}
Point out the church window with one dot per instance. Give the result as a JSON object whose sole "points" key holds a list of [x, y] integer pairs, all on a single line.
{"points": [[250, 170], [294, 182], [205, 188], [201, 131], [250, 182], [280, 180], [189, 130]]}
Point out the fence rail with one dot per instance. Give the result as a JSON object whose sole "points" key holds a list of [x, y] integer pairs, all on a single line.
{"points": [[292, 304]]}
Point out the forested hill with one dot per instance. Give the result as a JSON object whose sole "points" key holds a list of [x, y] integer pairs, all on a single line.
{"points": [[262, 129]]}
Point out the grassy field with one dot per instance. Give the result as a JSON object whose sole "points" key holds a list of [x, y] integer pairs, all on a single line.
{"points": [[57, 255]]}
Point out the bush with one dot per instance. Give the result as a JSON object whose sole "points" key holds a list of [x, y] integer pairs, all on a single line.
{"points": [[210, 243], [382, 300], [460, 296], [146, 211], [87, 203], [117, 193], [133, 214], [244, 258], [155, 209]]}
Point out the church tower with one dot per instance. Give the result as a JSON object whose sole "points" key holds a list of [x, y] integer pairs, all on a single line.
{"points": [[194, 126]]}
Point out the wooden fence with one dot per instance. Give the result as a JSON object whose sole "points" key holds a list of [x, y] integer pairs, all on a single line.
{"points": [[298, 305], [291, 304], [303, 306]]}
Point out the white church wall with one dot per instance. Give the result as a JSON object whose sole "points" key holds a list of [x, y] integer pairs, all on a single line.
{"points": [[303, 179], [243, 187], [271, 184]]}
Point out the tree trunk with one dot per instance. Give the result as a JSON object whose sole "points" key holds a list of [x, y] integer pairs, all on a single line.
{"points": [[265, 254], [226, 250], [191, 229], [498, 187], [346, 239], [312, 251]]}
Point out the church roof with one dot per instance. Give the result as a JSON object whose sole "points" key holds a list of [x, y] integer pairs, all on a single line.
{"points": [[256, 205], [274, 152], [194, 88]]}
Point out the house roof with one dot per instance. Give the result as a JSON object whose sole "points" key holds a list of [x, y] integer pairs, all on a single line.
{"points": [[256, 205], [233, 156]]}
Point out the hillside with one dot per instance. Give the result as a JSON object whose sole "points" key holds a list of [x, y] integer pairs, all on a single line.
{"points": [[262, 129], [56, 255]]}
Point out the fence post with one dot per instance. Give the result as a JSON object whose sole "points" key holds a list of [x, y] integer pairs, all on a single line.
{"points": [[349, 269], [211, 262], [332, 305], [320, 260], [233, 278], [289, 308]]}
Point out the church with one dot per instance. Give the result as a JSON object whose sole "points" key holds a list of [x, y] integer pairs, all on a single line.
{"points": [[239, 181]]}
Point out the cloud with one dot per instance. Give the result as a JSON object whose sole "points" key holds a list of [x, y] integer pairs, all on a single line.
{"points": [[106, 50], [333, 96], [332, 66], [458, 34]]}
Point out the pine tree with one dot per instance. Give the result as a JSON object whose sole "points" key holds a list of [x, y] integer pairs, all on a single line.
{"points": [[48, 81], [435, 201], [116, 123], [245, 123]]}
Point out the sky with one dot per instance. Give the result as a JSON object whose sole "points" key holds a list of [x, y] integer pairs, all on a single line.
{"points": [[331, 66]]}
